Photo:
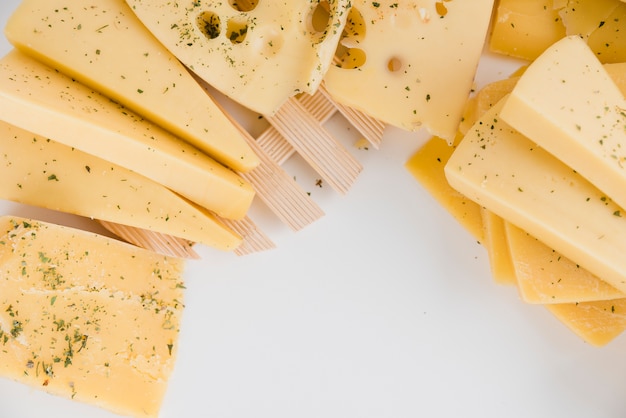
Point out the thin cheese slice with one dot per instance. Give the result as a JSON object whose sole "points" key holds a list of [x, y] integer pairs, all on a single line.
{"points": [[41, 100], [87, 317], [502, 170], [41, 172], [411, 63], [497, 244], [258, 53], [104, 46], [545, 276], [568, 104]]}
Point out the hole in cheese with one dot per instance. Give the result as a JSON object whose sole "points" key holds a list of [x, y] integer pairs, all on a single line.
{"points": [[209, 24], [236, 30], [394, 64], [352, 58], [318, 20], [243, 5], [355, 26]]}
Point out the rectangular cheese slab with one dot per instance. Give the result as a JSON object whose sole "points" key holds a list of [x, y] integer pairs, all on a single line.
{"points": [[106, 47], [39, 99], [569, 105], [41, 172], [500, 169], [87, 317]]}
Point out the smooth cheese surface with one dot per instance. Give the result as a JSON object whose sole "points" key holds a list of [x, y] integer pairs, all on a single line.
{"points": [[569, 105], [44, 173], [411, 64], [259, 53], [87, 317], [102, 44], [39, 99], [502, 170]]}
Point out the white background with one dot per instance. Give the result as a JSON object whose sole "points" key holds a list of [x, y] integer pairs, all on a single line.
{"points": [[383, 308]]}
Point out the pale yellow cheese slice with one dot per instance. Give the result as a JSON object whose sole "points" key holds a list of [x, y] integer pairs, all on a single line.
{"points": [[102, 44], [42, 172], [87, 317], [497, 245], [411, 64], [568, 104], [259, 53], [39, 99], [502, 170]]}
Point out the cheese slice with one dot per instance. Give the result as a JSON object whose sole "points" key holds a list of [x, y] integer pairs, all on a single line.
{"points": [[568, 104], [44, 173], [258, 53], [583, 17], [87, 317], [502, 170], [103, 45], [39, 99], [545, 276], [497, 244], [411, 64]]}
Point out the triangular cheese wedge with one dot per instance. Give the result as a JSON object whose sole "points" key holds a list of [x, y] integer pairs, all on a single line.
{"points": [[107, 48], [258, 53], [87, 317], [41, 100]]}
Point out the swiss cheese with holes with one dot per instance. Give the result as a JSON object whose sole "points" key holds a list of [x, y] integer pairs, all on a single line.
{"points": [[258, 52]]}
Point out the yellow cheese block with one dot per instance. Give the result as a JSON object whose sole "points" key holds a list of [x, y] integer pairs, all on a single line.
{"points": [[502, 170], [608, 41], [41, 172], [569, 105], [497, 245], [259, 53], [597, 323], [39, 99], [412, 63], [525, 28], [87, 317], [104, 46], [545, 276]]}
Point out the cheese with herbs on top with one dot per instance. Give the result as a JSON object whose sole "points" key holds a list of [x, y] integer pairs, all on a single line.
{"points": [[87, 317], [411, 64], [41, 172], [258, 53], [502, 170], [568, 104], [102, 44], [39, 99]]}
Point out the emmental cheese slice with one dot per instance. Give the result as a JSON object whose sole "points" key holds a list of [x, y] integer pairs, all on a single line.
{"points": [[41, 172], [102, 44], [258, 53], [568, 104], [87, 317], [502, 170], [41, 100], [411, 64]]}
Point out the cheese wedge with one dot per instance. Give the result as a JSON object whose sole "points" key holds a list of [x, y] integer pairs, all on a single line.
{"points": [[545, 276], [44, 173], [258, 53], [568, 104], [87, 317], [41, 100], [502, 170], [411, 64], [104, 46]]}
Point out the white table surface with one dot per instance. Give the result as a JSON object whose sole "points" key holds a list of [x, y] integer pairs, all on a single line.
{"points": [[384, 308]]}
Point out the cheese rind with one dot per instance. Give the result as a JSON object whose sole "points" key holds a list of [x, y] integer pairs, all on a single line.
{"points": [[39, 99], [105, 46], [258, 53], [41, 172], [569, 105], [87, 317], [411, 64]]}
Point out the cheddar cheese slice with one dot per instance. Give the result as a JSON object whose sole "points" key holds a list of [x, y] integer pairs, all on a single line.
{"points": [[42, 172], [568, 104], [502, 170], [87, 317], [411, 64], [41, 100], [103, 45], [258, 53]]}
